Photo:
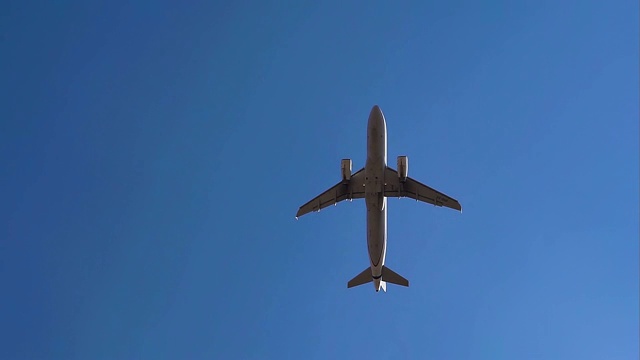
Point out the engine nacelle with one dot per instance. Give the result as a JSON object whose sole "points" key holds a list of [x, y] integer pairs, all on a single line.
{"points": [[345, 169], [403, 168]]}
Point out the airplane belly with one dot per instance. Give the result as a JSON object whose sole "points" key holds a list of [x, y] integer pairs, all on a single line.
{"points": [[376, 237]]}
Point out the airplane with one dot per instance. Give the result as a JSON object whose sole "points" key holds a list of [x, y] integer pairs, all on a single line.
{"points": [[375, 183]]}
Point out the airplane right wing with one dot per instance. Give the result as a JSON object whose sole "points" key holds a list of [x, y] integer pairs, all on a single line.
{"points": [[352, 189], [413, 189]]}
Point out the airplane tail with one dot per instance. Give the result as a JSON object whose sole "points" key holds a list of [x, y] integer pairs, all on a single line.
{"points": [[388, 276], [362, 278]]}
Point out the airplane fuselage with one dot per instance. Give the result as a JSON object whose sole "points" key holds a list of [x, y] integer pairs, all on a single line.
{"points": [[375, 200]]}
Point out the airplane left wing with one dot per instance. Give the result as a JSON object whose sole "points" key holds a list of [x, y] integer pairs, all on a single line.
{"points": [[351, 189], [413, 189]]}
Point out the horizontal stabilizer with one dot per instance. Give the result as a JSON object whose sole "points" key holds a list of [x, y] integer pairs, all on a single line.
{"points": [[390, 276], [362, 278]]}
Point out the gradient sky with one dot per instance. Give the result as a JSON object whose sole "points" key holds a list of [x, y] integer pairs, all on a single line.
{"points": [[154, 154]]}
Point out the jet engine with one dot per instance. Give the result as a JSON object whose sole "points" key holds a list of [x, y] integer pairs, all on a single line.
{"points": [[403, 168], [345, 169]]}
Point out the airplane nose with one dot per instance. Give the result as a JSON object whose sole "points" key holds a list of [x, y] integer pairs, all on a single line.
{"points": [[375, 112], [376, 118]]}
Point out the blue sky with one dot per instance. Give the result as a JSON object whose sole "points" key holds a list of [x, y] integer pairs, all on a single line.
{"points": [[154, 155]]}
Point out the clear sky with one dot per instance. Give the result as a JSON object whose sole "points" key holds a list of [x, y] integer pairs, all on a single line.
{"points": [[154, 154]]}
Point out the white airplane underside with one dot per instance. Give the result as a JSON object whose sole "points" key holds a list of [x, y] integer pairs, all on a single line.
{"points": [[375, 183]]}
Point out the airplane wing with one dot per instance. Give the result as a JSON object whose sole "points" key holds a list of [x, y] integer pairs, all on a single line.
{"points": [[352, 189], [416, 190]]}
